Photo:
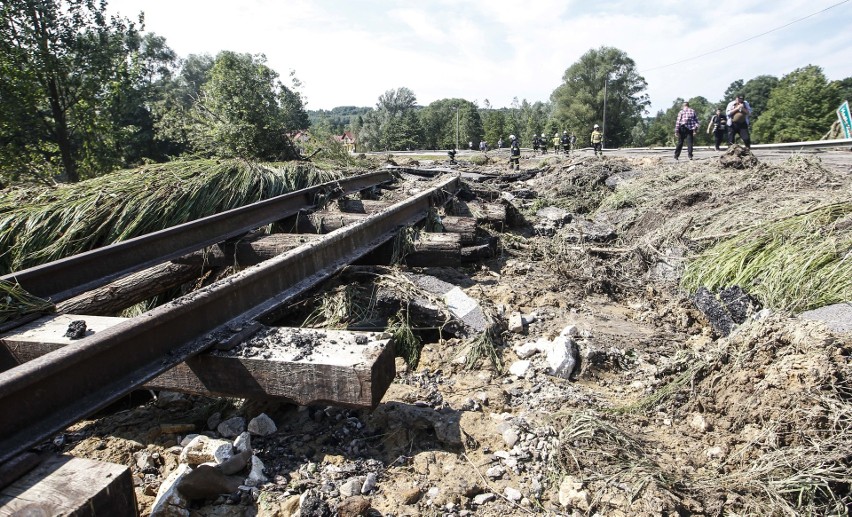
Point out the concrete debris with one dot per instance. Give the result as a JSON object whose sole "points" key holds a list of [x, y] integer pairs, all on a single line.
{"points": [[203, 449], [169, 501], [261, 425], [572, 495], [519, 368], [232, 427], [516, 323]]}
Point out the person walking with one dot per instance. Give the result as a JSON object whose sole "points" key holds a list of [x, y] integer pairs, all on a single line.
{"points": [[597, 140], [543, 143], [738, 111], [555, 142], [500, 143], [536, 143], [686, 126], [719, 125], [514, 153]]}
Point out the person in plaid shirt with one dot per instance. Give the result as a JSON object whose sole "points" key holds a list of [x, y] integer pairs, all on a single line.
{"points": [[685, 128]]}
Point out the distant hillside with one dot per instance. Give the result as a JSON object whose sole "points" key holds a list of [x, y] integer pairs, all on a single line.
{"points": [[339, 118]]}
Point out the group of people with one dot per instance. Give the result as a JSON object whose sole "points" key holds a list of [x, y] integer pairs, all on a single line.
{"points": [[735, 122], [565, 143]]}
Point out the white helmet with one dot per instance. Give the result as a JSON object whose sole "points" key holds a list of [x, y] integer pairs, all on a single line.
{"points": [[596, 126], [511, 137]]}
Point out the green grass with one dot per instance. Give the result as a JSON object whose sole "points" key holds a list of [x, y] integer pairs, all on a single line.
{"points": [[49, 224], [796, 264]]}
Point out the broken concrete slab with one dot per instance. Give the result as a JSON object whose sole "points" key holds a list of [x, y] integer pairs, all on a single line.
{"points": [[461, 306], [837, 317]]}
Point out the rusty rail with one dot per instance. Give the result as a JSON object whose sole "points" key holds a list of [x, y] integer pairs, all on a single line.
{"points": [[64, 278], [45, 395]]}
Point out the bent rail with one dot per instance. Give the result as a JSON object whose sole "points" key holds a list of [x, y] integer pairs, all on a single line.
{"points": [[45, 395], [64, 278]]}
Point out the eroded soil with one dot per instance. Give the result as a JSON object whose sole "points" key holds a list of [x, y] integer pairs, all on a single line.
{"points": [[661, 415]]}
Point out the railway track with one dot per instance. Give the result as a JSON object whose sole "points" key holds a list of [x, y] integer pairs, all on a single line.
{"points": [[43, 396]]}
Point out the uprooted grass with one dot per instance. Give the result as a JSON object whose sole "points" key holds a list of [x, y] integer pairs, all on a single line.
{"points": [[613, 466], [355, 306], [16, 302], [783, 390], [70, 219], [797, 263]]}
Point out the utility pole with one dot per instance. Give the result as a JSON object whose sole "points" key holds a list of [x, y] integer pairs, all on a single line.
{"points": [[457, 127], [603, 131]]}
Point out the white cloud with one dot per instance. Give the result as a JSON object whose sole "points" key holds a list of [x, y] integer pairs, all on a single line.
{"points": [[349, 53]]}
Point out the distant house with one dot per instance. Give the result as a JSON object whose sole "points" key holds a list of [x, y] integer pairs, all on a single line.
{"points": [[300, 136], [348, 141]]}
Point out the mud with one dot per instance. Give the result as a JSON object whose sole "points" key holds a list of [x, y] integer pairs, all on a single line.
{"points": [[666, 412]]}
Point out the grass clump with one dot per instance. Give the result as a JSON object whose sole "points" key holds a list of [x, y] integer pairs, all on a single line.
{"points": [[71, 219], [16, 302], [407, 344], [484, 346], [796, 264]]}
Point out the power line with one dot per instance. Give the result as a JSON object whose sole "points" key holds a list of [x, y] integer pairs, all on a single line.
{"points": [[745, 40]]}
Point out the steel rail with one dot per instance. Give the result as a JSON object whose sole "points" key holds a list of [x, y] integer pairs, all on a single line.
{"points": [[68, 277], [45, 395]]}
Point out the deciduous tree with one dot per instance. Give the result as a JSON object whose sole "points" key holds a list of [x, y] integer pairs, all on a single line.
{"points": [[58, 60], [802, 107], [579, 100]]}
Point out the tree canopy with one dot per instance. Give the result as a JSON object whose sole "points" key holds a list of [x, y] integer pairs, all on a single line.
{"points": [[62, 63], [604, 76], [800, 108], [243, 110]]}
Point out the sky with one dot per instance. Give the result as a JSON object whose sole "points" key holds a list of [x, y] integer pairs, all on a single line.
{"points": [[349, 52]]}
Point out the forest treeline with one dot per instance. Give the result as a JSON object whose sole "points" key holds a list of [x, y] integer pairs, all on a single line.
{"points": [[83, 93]]}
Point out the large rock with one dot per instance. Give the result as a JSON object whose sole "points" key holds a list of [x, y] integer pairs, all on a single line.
{"points": [[550, 219], [169, 501], [562, 354], [203, 449], [207, 482], [232, 427], [261, 425]]}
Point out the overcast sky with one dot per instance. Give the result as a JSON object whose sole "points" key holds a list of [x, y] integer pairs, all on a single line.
{"points": [[347, 53]]}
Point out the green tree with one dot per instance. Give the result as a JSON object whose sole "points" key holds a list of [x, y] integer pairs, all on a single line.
{"points": [[241, 110], [604, 75], [494, 126], [394, 124], [734, 89], [438, 120], [802, 107], [172, 112], [58, 60]]}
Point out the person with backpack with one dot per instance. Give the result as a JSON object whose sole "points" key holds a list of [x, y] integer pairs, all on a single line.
{"points": [[686, 126], [719, 125]]}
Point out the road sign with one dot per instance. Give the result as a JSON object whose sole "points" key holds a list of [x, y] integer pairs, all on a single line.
{"points": [[845, 119]]}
